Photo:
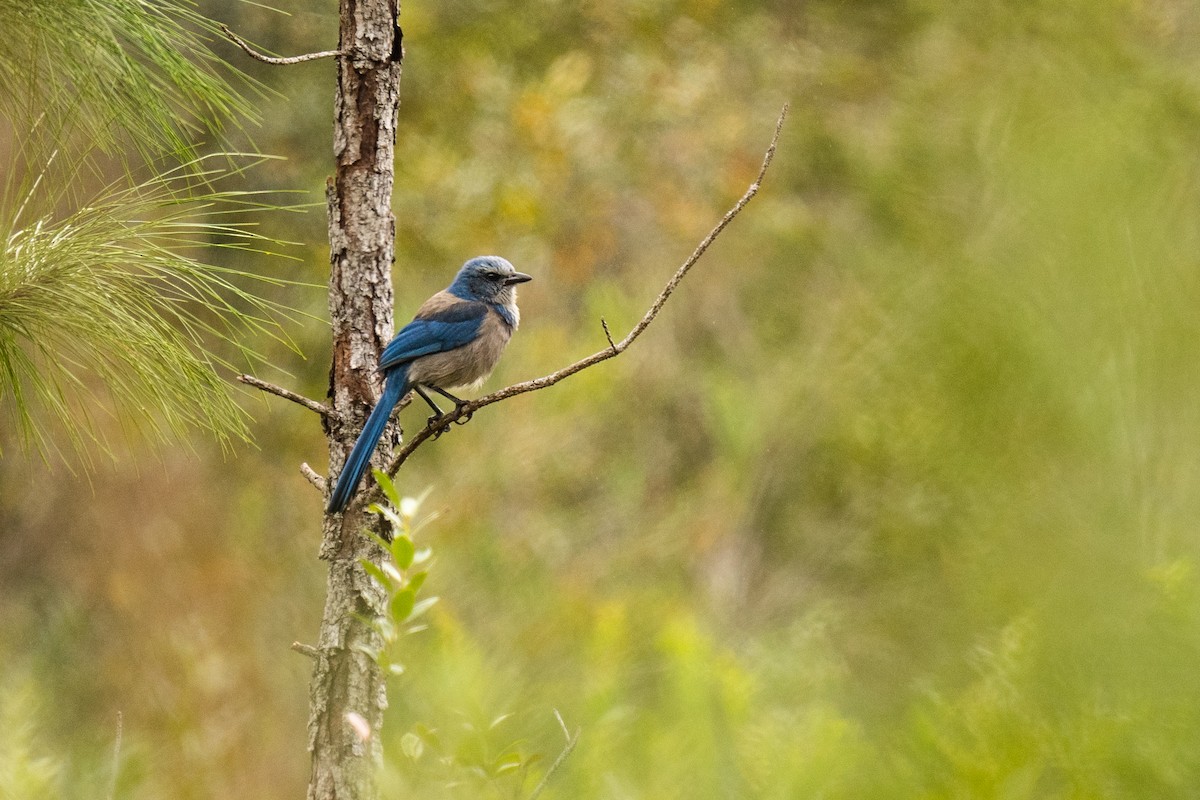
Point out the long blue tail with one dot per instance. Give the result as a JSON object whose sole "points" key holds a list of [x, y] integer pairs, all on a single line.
{"points": [[360, 456]]}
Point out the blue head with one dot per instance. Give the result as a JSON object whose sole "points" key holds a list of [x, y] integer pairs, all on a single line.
{"points": [[490, 279]]}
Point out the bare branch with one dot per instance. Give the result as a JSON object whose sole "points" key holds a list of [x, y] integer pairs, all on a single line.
{"points": [[313, 477], [257, 56], [661, 300], [471, 406], [306, 649], [288, 394]]}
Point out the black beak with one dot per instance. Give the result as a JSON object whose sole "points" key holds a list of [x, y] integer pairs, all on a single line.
{"points": [[517, 277]]}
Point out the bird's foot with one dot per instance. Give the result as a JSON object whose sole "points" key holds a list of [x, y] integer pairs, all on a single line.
{"points": [[443, 421], [434, 419]]}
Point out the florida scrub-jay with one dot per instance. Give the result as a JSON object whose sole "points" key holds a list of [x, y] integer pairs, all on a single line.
{"points": [[454, 341]]}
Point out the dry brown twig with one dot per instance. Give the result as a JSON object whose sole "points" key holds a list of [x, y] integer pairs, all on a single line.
{"points": [[312, 477], [288, 394], [275, 60]]}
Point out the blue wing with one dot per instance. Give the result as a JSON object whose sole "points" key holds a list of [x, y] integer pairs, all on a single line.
{"points": [[437, 328]]}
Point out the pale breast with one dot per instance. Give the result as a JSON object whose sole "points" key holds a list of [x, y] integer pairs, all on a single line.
{"points": [[466, 366]]}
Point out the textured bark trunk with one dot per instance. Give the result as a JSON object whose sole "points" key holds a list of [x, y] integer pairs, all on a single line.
{"points": [[347, 685]]}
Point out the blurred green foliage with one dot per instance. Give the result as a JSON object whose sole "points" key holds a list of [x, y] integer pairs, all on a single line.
{"points": [[896, 498]]}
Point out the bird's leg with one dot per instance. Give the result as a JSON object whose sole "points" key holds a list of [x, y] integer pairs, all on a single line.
{"points": [[421, 391], [437, 412], [458, 405]]}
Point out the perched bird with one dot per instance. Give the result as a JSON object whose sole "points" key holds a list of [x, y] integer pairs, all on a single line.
{"points": [[454, 340]]}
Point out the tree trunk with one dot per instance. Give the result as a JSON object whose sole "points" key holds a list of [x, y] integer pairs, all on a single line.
{"points": [[347, 681]]}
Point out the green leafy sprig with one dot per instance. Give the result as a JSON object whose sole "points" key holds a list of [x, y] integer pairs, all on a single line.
{"points": [[402, 576]]}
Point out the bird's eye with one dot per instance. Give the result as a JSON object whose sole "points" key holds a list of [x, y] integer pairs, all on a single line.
{"points": [[493, 276]]}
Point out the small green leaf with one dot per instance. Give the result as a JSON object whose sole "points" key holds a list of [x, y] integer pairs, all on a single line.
{"points": [[391, 516], [422, 555], [374, 537], [376, 572], [425, 521], [369, 652], [403, 551], [412, 746], [415, 503], [396, 668], [402, 605], [386, 629], [417, 580], [389, 488], [428, 735], [420, 608], [508, 762]]}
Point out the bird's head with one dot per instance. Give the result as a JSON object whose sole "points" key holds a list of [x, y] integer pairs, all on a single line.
{"points": [[488, 278]]}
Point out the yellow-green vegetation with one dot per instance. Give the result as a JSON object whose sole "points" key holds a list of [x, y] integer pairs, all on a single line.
{"points": [[897, 497]]}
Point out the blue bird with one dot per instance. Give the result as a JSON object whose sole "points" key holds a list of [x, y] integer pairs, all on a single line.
{"points": [[454, 341]]}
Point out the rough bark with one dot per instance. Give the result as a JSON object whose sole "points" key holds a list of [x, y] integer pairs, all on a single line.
{"points": [[347, 681]]}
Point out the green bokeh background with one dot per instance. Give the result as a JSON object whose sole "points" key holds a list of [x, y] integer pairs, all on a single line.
{"points": [[897, 497]]}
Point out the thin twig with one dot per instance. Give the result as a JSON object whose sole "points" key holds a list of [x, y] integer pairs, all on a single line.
{"points": [[607, 333], [257, 56], [471, 406], [313, 477], [288, 394], [572, 740], [116, 756], [562, 724]]}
